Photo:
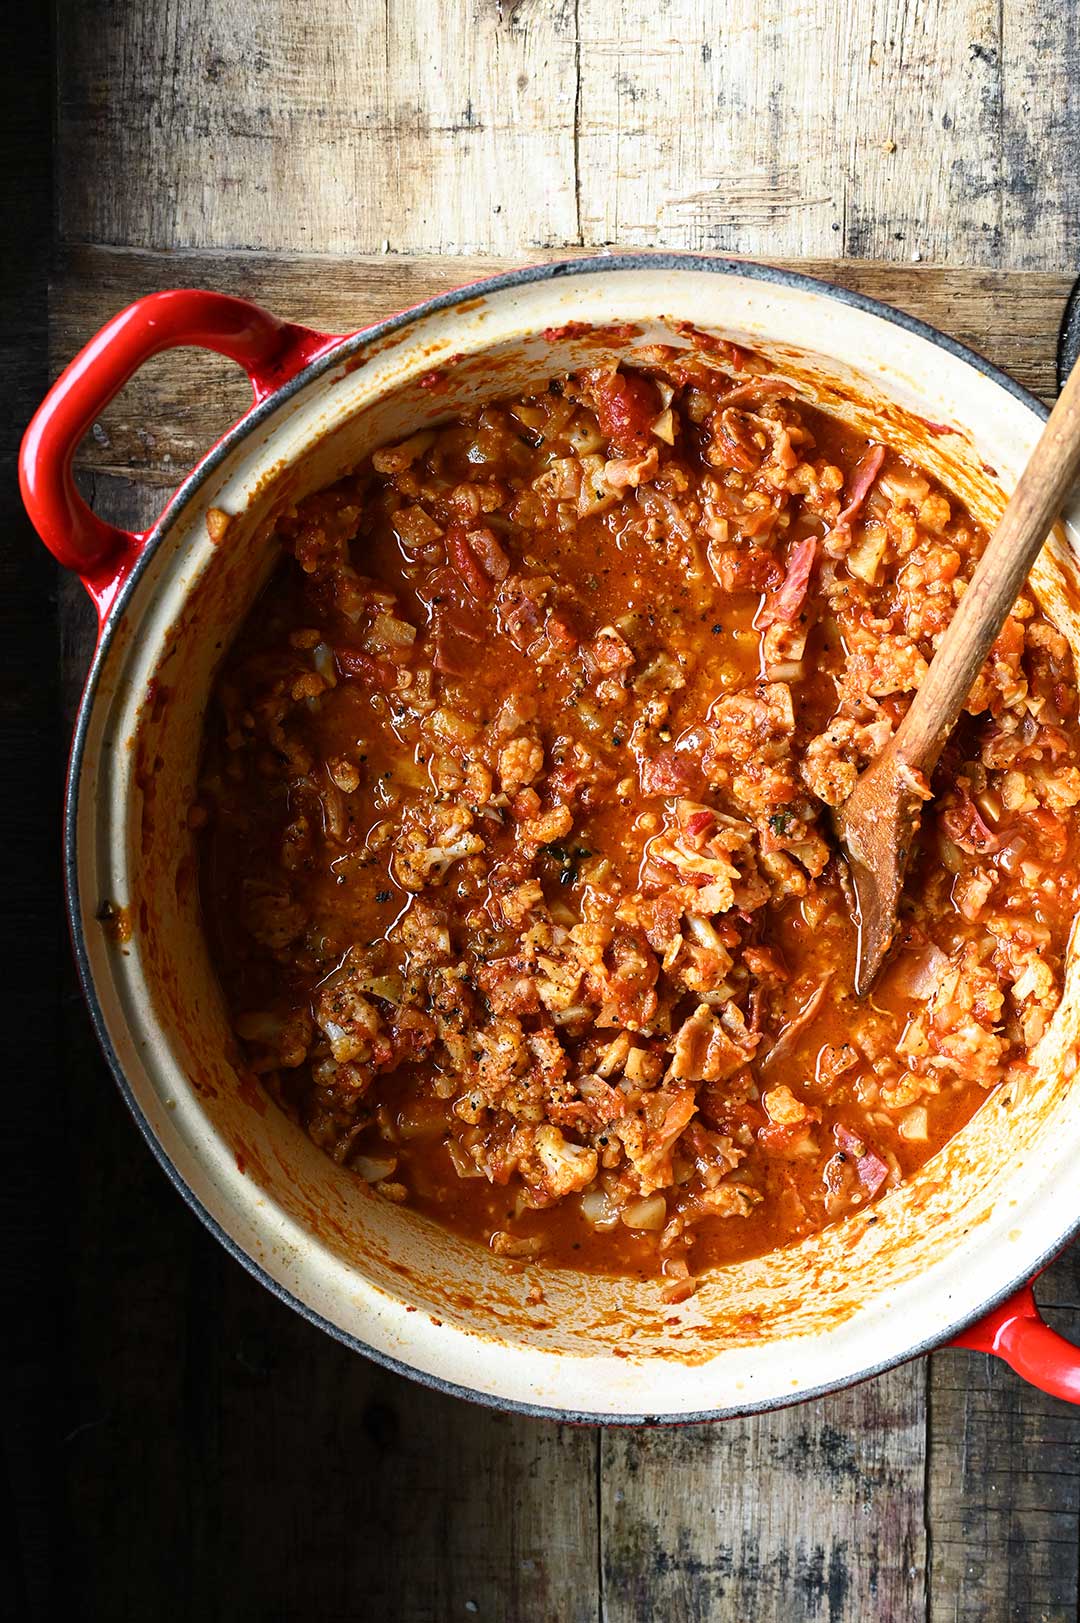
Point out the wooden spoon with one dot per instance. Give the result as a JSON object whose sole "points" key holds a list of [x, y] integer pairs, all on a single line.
{"points": [[877, 824]]}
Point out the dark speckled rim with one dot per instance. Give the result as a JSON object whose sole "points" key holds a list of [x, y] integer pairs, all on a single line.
{"points": [[1068, 349], [601, 265]]}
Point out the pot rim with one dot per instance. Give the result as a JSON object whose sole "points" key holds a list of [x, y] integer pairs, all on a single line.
{"points": [[349, 344]]}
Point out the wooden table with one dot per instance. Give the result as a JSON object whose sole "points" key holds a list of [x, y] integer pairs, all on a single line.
{"points": [[179, 1445]]}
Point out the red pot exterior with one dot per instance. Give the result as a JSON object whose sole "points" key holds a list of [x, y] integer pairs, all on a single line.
{"points": [[1016, 1332], [272, 352]]}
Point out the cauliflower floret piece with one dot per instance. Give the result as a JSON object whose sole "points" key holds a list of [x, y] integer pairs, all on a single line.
{"points": [[1017, 794], [547, 826], [567, 1166], [784, 1108], [521, 762], [425, 857], [349, 1019]]}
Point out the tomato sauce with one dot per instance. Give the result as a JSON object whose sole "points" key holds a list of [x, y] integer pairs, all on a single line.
{"points": [[517, 862]]}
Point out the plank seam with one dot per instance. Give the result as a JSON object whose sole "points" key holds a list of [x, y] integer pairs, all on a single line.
{"points": [[928, 1530], [601, 1597], [67, 248], [577, 122]]}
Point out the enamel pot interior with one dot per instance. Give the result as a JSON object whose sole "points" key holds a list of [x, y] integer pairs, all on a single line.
{"points": [[980, 1217]]}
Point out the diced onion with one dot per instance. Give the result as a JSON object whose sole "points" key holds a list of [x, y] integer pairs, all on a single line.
{"points": [[409, 775], [464, 1165], [705, 932], [614, 1055], [421, 1126], [388, 632], [598, 1210], [516, 1245], [918, 975], [414, 528], [904, 485], [593, 720], [664, 427], [584, 435], [989, 804], [951, 856], [661, 507], [323, 659], [563, 1017], [1011, 854], [528, 416], [913, 1039], [396, 458], [511, 718], [453, 727], [865, 559], [650, 1213], [335, 813], [374, 1168], [915, 1124], [594, 492]]}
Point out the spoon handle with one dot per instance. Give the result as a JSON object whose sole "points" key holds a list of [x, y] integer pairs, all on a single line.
{"points": [[996, 584]]}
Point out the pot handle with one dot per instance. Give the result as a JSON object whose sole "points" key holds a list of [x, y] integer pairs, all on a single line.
{"points": [[270, 351], [1017, 1332]]}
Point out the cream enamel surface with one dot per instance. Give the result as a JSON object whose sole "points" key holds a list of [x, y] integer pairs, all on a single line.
{"points": [[978, 1218]]}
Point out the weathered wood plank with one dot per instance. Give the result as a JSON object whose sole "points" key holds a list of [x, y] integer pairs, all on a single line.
{"points": [[1003, 1482], [809, 1514], [180, 402], [31, 1175], [1037, 47], [434, 126], [406, 1505], [883, 130]]}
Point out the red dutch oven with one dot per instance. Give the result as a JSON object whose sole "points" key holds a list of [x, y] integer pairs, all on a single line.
{"points": [[950, 1258]]}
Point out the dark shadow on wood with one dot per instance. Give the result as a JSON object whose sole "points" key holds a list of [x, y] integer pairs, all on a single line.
{"points": [[33, 1132]]}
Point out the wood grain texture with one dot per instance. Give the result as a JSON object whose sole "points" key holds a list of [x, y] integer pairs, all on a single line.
{"points": [[32, 751], [1003, 1482], [237, 126], [808, 1515], [877, 128]]}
